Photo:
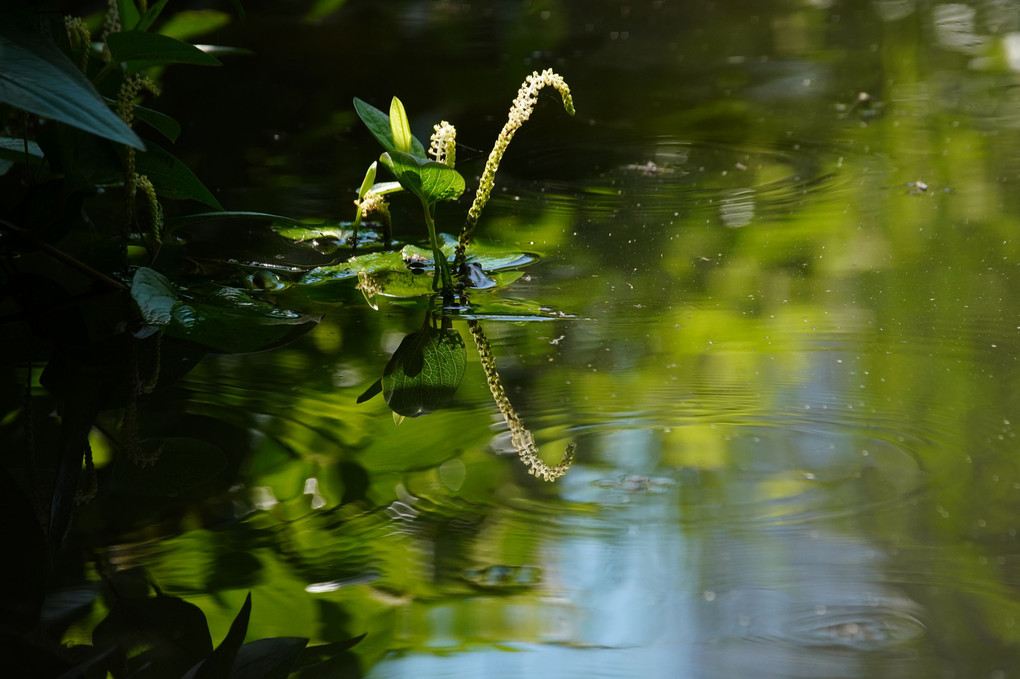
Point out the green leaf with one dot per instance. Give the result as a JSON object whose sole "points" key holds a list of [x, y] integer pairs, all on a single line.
{"points": [[220, 662], [154, 295], [400, 128], [150, 15], [226, 320], [378, 123], [171, 177], [140, 50], [20, 151], [273, 658], [427, 179], [129, 15], [38, 78], [368, 182], [161, 122], [424, 372]]}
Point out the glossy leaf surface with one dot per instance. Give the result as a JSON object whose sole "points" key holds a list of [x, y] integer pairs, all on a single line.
{"points": [[37, 77]]}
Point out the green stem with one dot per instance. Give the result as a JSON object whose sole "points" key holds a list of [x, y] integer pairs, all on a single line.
{"points": [[442, 266]]}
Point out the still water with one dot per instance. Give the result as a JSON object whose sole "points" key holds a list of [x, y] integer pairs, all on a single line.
{"points": [[776, 307]]}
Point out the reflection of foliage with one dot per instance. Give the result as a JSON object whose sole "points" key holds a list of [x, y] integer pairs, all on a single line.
{"points": [[521, 438], [150, 634], [424, 372]]}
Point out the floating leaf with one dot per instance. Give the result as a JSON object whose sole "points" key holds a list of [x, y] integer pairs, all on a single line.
{"points": [[227, 320], [424, 372], [37, 77], [141, 50], [378, 123]]}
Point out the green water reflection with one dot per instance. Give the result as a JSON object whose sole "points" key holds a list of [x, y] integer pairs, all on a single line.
{"points": [[786, 240]]}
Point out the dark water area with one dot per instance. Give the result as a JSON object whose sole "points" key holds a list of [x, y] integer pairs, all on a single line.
{"points": [[775, 302]]}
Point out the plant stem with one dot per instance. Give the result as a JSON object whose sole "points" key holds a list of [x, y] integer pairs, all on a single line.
{"points": [[441, 265]]}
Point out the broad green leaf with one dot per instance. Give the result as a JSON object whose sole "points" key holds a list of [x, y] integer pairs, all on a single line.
{"points": [[160, 122], [20, 151], [399, 126], [378, 123], [427, 179], [171, 177], [140, 50], [226, 320], [150, 15], [38, 78], [424, 372], [129, 14]]}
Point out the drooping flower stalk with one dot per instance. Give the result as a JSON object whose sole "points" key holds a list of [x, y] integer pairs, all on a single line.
{"points": [[522, 439], [520, 111]]}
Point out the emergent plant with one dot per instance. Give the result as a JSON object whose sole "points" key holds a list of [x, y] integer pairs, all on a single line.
{"points": [[434, 179]]}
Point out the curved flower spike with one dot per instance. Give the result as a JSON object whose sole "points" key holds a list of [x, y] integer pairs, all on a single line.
{"points": [[520, 111]]}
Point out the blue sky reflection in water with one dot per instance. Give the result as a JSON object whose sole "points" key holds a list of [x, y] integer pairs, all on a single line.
{"points": [[787, 238]]}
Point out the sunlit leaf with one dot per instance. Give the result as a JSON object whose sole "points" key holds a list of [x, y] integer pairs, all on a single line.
{"points": [[37, 77], [378, 123], [424, 372], [399, 126], [429, 180]]}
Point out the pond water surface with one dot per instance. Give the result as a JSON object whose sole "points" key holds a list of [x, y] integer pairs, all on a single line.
{"points": [[775, 306]]}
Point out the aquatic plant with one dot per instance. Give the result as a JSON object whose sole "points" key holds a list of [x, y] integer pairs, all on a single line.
{"points": [[431, 176]]}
